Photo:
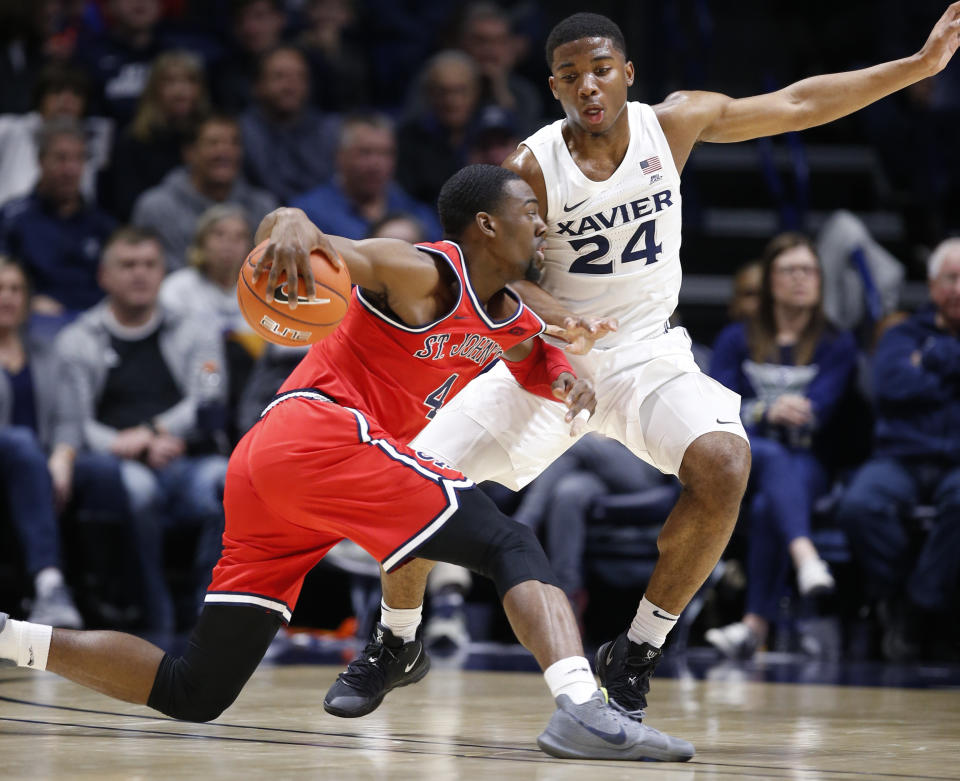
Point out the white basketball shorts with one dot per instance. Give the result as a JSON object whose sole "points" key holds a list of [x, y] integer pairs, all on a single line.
{"points": [[651, 396]]}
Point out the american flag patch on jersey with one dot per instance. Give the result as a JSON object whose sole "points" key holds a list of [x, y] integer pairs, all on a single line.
{"points": [[650, 165]]}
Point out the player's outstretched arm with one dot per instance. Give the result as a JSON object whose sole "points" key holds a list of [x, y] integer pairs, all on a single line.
{"points": [[580, 333], [709, 116], [374, 264]]}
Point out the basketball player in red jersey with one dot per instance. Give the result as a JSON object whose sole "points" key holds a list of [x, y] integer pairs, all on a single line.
{"points": [[326, 461]]}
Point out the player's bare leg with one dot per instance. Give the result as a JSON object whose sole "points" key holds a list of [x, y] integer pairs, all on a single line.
{"points": [[714, 474], [541, 618], [113, 663], [224, 650], [404, 588]]}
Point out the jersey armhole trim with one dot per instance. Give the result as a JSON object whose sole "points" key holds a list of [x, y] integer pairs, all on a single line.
{"points": [[423, 328]]}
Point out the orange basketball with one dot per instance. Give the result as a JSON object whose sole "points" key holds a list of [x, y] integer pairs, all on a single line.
{"points": [[311, 320]]}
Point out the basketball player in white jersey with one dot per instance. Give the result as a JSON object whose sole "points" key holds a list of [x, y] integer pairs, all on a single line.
{"points": [[607, 177]]}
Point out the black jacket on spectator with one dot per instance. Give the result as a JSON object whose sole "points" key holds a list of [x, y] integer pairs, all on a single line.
{"points": [[917, 389], [136, 166]]}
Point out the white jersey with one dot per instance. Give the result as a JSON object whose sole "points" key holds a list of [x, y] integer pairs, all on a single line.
{"points": [[613, 247]]}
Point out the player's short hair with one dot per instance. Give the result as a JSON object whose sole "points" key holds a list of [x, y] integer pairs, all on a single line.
{"points": [[584, 25], [472, 189], [939, 255]]}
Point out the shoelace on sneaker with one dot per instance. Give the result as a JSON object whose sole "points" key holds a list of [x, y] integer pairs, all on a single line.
{"points": [[364, 673], [636, 715], [637, 683]]}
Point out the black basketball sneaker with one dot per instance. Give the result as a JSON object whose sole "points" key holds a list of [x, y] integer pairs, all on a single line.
{"points": [[624, 668], [384, 664]]}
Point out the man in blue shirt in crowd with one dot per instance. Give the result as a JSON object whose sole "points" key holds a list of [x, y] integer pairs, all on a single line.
{"points": [[916, 460], [56, 232], [363, 188]]}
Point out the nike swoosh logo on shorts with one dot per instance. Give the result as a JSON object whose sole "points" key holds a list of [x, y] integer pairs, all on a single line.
{"points": [[658, 614], [616, 738], [571, 208], [727, 422], [409, 667]]}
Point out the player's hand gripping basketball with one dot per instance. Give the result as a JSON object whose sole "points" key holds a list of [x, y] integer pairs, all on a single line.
{"points": [[580, 333], [943, 41], [292, 238], [580, 398]]}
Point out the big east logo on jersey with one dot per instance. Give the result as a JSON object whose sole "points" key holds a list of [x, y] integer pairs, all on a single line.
{"points": [[618, 215], [475, 347]]}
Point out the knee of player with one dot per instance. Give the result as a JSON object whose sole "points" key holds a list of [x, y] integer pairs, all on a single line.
{"points": [[181, 694], [718, 463]]}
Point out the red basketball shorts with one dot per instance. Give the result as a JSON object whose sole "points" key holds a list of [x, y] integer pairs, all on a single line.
{"points": [[309, 474]]}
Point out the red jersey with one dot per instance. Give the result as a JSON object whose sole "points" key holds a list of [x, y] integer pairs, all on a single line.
{"points": [[401, 375]]}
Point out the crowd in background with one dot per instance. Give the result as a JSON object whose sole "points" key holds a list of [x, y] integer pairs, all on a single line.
{"points": [[141, 142]]}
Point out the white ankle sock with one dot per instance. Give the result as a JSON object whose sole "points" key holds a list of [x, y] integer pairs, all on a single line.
{"points": [[651, 624], [26, 644], [402, 622], [571, 676]]}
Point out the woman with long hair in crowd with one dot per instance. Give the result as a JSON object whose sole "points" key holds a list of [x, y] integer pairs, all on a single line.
{"points": [[173, 101], [792, 368]]}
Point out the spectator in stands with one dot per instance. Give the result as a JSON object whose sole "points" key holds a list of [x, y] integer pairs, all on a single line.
{"points": [[207, 288], [60, 91], [56, 232], [363, 189], [172, 104], [39, 437], [494, 136], [747, 283], [557, 504], [485, 34], [258, 27], [916, 460], [288, 145], [146, 383], [338, 66], [792, 368], [432, 141], [213, 155], [118, 59], [398, 225]]}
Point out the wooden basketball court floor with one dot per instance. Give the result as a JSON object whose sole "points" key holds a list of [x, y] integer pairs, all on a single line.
{"points": [[472, 725]]}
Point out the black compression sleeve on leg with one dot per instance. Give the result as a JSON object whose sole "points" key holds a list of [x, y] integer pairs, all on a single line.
{"points": [[224, 649], [484, 540]]}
